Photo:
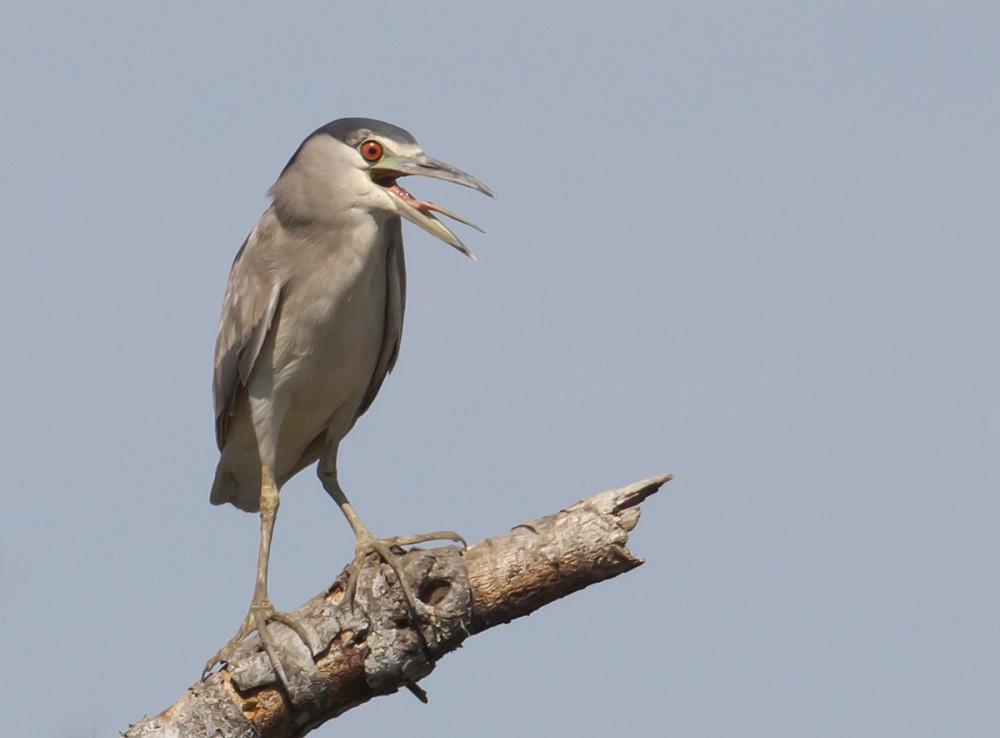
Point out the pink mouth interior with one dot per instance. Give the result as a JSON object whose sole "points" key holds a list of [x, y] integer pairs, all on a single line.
{"points": [[424, 207]]}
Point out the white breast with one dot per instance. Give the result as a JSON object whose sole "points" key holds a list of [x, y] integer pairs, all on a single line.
{"points": [[327, 343]]}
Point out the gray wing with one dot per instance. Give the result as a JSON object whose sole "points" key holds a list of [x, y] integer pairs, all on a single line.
{"points": [[251, 302], [395, 304]]}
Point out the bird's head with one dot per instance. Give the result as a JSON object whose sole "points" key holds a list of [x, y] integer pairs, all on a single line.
{"points": [[357, 163]]}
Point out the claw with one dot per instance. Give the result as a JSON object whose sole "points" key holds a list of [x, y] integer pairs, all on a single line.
{"points": [[441, 535], [367, 544], [260, 614]]}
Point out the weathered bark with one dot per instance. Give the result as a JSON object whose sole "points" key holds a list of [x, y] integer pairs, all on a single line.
{"points": [[374, 649]]}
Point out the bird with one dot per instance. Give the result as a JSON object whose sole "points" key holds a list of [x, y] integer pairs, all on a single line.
{"points": [[311, 325]]}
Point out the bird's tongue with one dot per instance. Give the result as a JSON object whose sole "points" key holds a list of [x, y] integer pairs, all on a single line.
{"points": [[427, 207], [410, 199]]}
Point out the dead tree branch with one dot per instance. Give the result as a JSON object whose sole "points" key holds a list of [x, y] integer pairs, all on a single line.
{"points": [[375, 649]]}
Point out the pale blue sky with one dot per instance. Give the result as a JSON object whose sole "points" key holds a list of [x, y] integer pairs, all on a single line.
{"points": [[754, 245]]}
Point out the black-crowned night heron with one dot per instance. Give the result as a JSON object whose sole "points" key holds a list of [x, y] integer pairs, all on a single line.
{"points": [[311, 326]]}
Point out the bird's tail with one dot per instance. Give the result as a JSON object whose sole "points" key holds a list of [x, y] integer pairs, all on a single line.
{"points": [[243, 493]]}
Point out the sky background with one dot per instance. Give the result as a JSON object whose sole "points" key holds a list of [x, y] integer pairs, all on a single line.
{"points": [[755, 246]]}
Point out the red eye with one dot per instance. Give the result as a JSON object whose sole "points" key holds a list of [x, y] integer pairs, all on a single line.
{"points": [[371, 150]]}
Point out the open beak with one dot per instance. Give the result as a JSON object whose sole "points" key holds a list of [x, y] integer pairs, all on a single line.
{"points": [[390, 168]]}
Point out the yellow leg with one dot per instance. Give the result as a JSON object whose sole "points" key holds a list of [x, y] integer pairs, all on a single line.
{"points": [[261, 610], [367, 544]]}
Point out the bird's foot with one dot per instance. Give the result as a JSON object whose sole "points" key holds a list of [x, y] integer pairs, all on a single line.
{"points": [[261, 613], [368, 544]]}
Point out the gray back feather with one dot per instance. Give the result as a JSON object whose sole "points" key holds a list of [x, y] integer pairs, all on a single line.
{"points": [[395, 305], [251, 302]]}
